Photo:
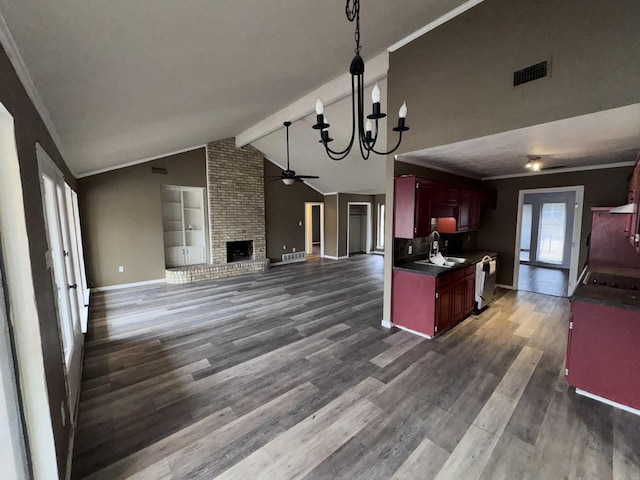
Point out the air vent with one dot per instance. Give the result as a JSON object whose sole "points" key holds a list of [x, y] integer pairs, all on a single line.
{"points": [[159, 170], [531, 73]]}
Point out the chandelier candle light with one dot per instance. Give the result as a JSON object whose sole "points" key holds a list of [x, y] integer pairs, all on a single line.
{"points": [[367, 136]]}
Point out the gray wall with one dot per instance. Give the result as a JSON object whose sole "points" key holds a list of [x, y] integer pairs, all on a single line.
{"points": [[284, 209], [457, 79], [121, 217], [29, 130], [602, 188]]}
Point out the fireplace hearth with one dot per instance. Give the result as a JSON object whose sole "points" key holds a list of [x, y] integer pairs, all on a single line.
{"points": [[239, 251]]}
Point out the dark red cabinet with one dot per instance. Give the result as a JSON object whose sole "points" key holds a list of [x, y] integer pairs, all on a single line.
{"points": [[430, 305], [603, 352], [474, 220], [412, 207], [464, 211]]}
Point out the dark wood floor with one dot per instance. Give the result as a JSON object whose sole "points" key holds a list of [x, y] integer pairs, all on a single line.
{"points": [[549, 281], [288, 374]]}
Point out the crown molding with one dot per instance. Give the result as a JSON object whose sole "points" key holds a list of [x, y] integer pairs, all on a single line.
{"points": [[9, 44], [561, 170]]}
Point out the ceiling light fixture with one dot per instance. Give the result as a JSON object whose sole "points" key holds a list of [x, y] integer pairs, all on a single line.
{"points": [[367, 136], [288, 176], [533, 163]]}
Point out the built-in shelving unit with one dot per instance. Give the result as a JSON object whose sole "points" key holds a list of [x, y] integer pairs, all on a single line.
{"points": [[183, 225]]}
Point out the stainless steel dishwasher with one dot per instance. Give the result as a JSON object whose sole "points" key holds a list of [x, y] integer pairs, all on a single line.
{"points": [[485, 282]]}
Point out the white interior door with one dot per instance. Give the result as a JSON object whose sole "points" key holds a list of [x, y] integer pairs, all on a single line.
{"points": [[61, 264], [82, 291]]}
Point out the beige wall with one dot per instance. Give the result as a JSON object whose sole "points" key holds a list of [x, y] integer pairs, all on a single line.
{"points": [[331, 225], [458, 79], [284, 209], [602, 188], [121, 217], [29, 130]]}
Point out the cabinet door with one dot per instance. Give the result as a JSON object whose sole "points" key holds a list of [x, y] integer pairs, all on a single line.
{"points": [[470, 294], [464, 211], [404, 206], [174, 256], [474, 221], [194, 255], [422, 209], [444, 308], [459, 298]]}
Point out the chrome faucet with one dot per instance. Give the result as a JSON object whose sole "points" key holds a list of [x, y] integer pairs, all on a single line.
{"points": [[435, 248]]}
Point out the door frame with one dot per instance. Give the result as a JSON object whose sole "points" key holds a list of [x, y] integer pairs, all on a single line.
{"points": [[308, 226], [575, 237], [369, 224], [23, 313]]}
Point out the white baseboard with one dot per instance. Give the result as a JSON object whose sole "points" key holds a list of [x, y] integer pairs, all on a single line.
{"points": [[386, 324], [508, 287], [331, 257], [420, 334], [621, 406], [128, 285]]}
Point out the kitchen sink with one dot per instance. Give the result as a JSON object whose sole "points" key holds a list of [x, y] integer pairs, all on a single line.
{"points": [[427, 262], [456, 259]]}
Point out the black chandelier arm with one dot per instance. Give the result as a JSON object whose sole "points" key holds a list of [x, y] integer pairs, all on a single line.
{"points": [[341, 154], [393, 149]]}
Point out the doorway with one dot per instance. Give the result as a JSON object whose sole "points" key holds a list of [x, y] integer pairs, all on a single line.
{"points": [[548, 239], [314, 228], [358, 228]]}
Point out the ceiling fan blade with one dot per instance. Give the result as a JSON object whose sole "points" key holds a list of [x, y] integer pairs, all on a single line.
{"points": [[307, 176]]}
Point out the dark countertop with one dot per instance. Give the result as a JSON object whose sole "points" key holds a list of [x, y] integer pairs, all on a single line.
{"points": [[435, 271], [613, 297]]}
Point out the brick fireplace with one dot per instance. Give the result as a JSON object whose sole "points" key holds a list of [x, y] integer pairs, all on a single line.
{"points": [[235, 190]]}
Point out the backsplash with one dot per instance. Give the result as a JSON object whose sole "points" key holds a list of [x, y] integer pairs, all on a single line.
{"points": [[451, 243]]}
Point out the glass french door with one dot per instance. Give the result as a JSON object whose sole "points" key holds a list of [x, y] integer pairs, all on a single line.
{"points": [[551, 233], [62, 261]]}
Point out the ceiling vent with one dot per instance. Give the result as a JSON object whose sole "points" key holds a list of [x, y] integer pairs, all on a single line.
{"points": [[530, 73]]}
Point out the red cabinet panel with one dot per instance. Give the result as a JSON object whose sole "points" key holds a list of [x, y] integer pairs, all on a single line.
{"points": [[474, 221], [414, 304], [412, 207], [444, 307], [603, 352]]}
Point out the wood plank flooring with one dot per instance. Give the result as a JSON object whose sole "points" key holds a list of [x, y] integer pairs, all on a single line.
{"points": [[288, 375]]}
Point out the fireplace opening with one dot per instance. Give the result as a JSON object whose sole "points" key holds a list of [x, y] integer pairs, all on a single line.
{"points": [[239, 251]]}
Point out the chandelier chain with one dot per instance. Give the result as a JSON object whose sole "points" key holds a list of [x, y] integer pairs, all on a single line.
{"points": [[353, 13]]}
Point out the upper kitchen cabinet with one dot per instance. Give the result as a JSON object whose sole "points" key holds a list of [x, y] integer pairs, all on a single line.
{"points": [[632, 229], [412, 207]]}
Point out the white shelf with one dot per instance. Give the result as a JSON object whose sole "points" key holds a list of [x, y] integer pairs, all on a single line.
{"points": [[183, 207]]}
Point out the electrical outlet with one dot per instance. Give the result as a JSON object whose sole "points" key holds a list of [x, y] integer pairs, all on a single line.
{"points": [[300, 223], [121, 269], [446, 243], [294, 249], [284, 247], [410, 249]]}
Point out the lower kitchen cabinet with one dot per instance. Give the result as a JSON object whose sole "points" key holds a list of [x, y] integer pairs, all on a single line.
{"points": [[603, 352], [429, 305]]}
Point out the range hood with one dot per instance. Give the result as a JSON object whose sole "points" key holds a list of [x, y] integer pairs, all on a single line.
{"points": [[628, 208]]}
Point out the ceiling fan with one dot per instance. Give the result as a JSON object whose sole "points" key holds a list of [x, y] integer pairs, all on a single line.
{"points": [[288, 176]]}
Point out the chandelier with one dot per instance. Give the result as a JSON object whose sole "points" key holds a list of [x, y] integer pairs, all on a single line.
{"points": [[367, 134]]}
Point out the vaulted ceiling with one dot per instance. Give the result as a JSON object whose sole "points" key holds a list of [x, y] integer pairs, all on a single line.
{"points": [[124, 80]]}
